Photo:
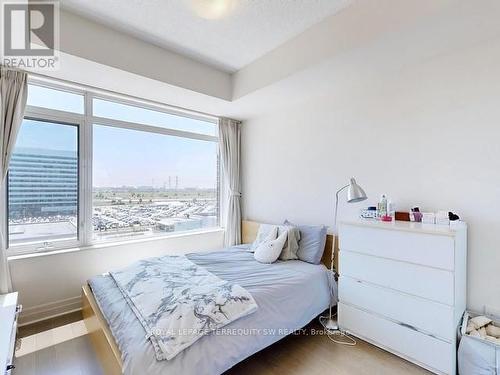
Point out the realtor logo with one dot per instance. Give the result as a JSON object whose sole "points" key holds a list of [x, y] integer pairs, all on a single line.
{"points": [[30, 34]]}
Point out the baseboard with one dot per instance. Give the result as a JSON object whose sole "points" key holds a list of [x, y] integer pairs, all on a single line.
{"points": [[49, 310]]}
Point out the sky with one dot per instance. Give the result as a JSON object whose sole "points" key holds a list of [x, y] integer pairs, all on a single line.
{"points": [[124, 157]]}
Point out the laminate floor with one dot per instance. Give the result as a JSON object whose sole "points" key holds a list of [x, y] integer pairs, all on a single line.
{"points": [[48, 324], [67, 350]]}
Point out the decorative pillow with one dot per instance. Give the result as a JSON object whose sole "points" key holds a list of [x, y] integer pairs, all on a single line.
{"points": [[474, 333], [292, 242], [269, 251], [478, 322], [470, 328], [265, 233], [492, 330], [312, 242], [482, 332]]}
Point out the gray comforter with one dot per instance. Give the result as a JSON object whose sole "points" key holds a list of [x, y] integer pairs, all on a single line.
{"points": [[289, 295]]}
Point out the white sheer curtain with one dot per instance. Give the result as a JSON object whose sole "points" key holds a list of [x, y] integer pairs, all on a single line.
{"points": [[13, 95], [230, 143]]}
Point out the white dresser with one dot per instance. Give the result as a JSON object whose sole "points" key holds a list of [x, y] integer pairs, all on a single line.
{"points": [[402, 287]]}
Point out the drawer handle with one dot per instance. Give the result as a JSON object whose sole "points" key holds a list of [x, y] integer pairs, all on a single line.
{"points": [[408, 326]]}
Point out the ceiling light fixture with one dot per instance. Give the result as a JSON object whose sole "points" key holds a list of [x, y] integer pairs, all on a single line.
{"points": [[212, 9]]}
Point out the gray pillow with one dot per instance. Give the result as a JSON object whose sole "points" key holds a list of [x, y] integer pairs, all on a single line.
{"points": [[291, 246], [312, 242]]}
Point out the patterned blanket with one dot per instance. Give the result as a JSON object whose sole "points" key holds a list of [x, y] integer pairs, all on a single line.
{"points": [[178, 302]]}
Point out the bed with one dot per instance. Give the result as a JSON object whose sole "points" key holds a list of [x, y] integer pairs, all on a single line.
{"points": [[289, 295]]}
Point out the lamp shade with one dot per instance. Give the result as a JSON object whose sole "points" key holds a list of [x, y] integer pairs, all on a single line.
{"points": [[355, 193]]}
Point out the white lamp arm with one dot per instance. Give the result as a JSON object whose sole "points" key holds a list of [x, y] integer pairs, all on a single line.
{"points": [[337, 205]]}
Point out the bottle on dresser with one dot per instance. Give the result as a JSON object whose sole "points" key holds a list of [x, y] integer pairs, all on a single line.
{"points": [[386, 209], [382, 206]]}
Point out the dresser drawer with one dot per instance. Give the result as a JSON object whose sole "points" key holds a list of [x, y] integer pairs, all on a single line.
{"points": [[431, 317], [421, 248], [418, 347], [431, 283]]}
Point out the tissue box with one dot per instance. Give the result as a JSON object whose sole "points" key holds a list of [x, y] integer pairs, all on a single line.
{"points": [[428, 218], [440, 220]]}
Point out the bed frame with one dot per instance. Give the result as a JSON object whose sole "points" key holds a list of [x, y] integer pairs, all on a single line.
{"points": [[100, 334]]}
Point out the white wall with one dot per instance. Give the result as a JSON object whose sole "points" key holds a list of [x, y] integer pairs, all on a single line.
{"points": [[424, 131], [359, 22], [50, 284]]}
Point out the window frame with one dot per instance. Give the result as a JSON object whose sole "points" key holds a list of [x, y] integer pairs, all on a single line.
{"points": [[85, 123]]}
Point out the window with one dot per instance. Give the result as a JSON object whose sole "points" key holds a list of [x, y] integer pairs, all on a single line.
{"points": [[45, 97], [147, 184], [115, 170], [43, 183], [129, 113]]}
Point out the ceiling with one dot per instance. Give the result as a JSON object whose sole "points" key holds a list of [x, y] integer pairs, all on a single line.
{"points": [[226, 34], [398, 38]]}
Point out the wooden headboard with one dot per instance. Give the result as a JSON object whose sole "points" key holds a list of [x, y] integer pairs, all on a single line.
{"points": [[249, 231]]}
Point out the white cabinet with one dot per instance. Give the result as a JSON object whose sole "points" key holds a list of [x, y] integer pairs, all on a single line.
{"points": [[402, 287], [8, 327]]}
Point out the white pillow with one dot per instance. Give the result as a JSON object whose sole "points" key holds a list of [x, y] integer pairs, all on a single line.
{"points": [[269, 251], [267, 232]]}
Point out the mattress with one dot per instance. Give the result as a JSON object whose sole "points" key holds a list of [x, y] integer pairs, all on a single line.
{"points": [[289, 295]]}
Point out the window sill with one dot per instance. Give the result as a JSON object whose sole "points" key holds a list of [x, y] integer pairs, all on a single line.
{"points": [[103, 245]]}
